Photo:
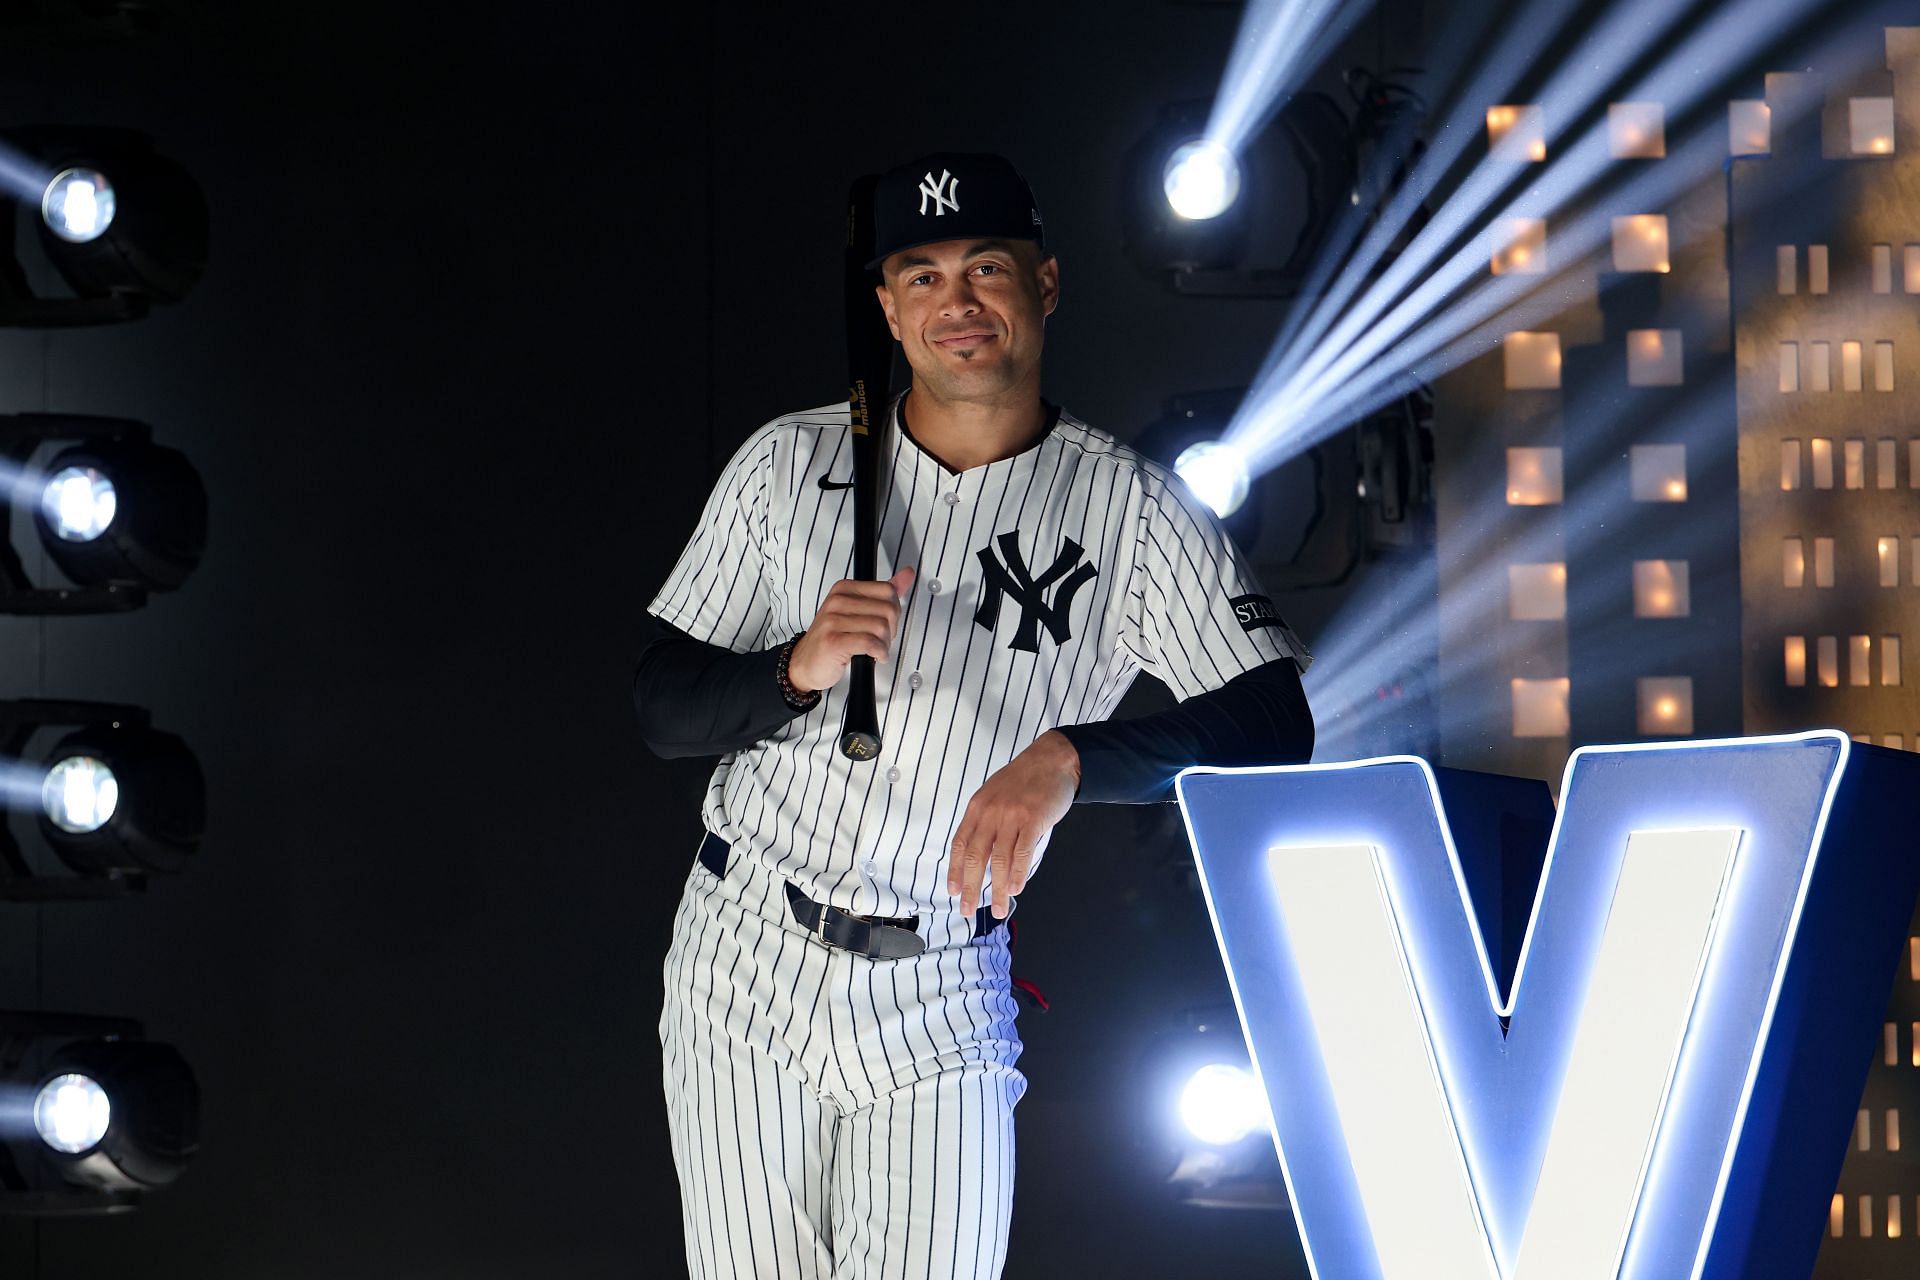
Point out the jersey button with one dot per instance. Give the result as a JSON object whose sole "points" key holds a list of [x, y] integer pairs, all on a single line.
{"points": [[872, 868], [934, 586], [893, 775], [953, 499], [913, 681]]}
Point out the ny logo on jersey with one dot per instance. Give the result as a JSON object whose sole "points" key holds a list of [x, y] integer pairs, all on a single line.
{"points": [[945, 193], [1015, 579], [1651, 1078]]}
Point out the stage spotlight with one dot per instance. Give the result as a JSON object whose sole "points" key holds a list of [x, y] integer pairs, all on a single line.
{"points": [[119, 515], [1208, 1136], [1249, 222], [79, 503], [80, 794], [123, 800], [124, 513], [78, 205], [1202, 180], [71, 1113], [1217, 474], [92, 1114], [122, 225], [1222, 1104], [112, 800]]}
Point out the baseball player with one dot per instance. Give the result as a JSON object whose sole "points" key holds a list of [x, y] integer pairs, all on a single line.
{"points": [[838, 1032]]}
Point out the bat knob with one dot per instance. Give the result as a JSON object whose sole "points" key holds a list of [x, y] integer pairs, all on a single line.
{"points": [[857, 744]]}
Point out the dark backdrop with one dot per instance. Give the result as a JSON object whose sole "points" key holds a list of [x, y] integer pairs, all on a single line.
{"points": [[492, 295]]}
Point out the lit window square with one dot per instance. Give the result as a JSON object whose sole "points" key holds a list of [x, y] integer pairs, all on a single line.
{"points": [[1796, 656], [1819, 366], [1789, 367], [1654, 358], [1520, 247], [1540, 708], [1850, 379], [1658, 472], [1821, 451], [1536, 592], [1793, 563], [1517, 133], [1640, 242], [1870, 125], [1666, 705], [1533, 477], [1749, 128], [1532, 361], [1789, 464], [1636, 130], [1853, 456], [1883, 268], [1889, 553], [1859, 661], [1827, 661], [1660, 589], [1910, 261], [1897, 741], [1816, 268]]}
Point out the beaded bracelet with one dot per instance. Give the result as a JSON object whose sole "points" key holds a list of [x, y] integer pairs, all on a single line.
{"points": [[791, 696]]}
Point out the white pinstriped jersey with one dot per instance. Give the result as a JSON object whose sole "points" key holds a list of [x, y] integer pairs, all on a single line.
{"points": [[1045, 583]]}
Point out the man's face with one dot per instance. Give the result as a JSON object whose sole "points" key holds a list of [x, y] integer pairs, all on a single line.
{"points": [[970, 314]]}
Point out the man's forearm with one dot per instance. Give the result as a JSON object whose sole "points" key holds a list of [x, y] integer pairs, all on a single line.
{"points": [[698, 699], [1258, 717]]}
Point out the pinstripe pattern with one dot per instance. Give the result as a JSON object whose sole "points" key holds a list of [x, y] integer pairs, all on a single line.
{"points": [[957, 701], [834, 1116]]}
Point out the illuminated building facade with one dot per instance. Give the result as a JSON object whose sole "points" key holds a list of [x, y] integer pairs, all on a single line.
{"points": [[1710, 468]]}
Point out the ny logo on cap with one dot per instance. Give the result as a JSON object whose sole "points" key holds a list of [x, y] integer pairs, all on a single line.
{"points": [[945, 193]]}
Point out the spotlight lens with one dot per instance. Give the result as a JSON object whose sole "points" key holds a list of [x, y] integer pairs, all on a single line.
{"points": [[78, 205], [79, 503], [1222, 1104], [80, 794], [1202, 180], [71, 1113], [1217, 474]]}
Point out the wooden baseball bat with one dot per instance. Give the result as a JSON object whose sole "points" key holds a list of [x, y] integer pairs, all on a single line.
{"points": [[869, 366]]}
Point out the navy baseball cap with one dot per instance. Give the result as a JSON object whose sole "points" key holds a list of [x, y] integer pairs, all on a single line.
{"points": [[952, 195]]}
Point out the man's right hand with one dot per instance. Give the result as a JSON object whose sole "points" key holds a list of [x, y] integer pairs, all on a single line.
{"points": [[856, 617]]}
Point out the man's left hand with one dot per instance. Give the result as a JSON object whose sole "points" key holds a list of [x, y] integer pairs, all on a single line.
{"points": [[1010, 814]]}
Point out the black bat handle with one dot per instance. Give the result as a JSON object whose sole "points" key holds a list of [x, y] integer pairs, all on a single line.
{"points": [[860, 733], [869, 362]]}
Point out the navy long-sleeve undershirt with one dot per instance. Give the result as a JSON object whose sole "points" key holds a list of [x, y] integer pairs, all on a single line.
{"points": [[696, 699]]}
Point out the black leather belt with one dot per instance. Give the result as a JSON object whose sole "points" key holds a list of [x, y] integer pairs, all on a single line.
{"points": [[882, 937]]}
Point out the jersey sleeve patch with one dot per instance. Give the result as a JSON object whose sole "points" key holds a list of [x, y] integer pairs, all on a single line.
{"points": [[1254, 612]]}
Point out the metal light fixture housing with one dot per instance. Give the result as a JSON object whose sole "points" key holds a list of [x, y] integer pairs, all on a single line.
{"points": [[154, 528], [152, 1114], [158, 812]]}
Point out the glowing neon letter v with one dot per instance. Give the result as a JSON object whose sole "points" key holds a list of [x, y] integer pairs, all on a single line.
{"points": [[1408, 1161]]}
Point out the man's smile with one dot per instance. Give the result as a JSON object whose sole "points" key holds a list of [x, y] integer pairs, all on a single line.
{"points": [[968, 341]]}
